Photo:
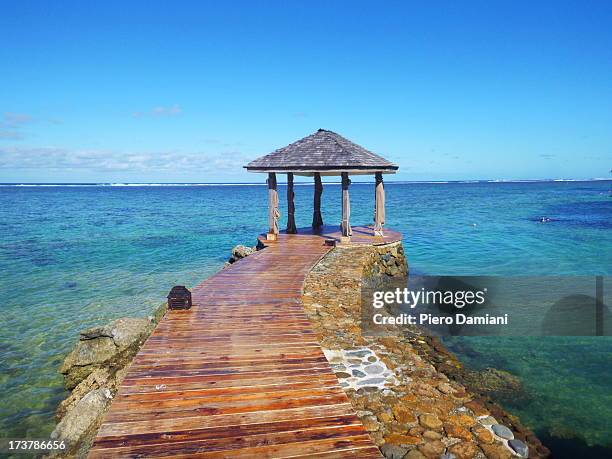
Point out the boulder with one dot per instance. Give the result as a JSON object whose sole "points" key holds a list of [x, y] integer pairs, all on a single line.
{"points": [[241, 251], [96, 380], [111, 345], [82, 419], [238, 253], [430, 421], [124, 332]]}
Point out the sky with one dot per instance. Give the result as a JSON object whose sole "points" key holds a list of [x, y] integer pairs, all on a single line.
{"points": [[191, 91]]}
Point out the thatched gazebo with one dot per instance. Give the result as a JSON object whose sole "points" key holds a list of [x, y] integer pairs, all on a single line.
{"points": [[319, 154]]}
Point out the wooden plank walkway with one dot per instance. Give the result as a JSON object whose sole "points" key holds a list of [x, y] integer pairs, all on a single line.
{"points": [[241, 374]]}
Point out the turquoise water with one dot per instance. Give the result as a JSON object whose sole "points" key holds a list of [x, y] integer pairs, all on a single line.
{"points": [[72, 257]]}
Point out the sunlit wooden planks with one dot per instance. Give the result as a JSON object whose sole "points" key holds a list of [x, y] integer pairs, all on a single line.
{"points": [[241, 374]]}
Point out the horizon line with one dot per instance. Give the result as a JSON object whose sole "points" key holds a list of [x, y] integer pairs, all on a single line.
{"points": [[152, 184]]}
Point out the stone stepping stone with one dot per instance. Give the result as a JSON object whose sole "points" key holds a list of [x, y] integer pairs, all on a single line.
{"points": [[371, 382], [361, 353], [519, 447], [375, 369], [487, 420], [502, 431], [359, 374]]}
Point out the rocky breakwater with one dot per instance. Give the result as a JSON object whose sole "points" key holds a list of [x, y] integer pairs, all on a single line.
{"points": [[93, 371], [411, 406], [385, 260]]}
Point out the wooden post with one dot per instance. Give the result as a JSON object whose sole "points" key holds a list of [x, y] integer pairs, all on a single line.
{"points": [[317, 219], [346, 208], [379, 208], [291, 229], [273, 212]]}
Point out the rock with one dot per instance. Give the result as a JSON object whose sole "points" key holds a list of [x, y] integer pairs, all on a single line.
{"points": [[463, 420], [128, 331], [450, 441], [502, 431], [110, 345], [401, 439], [375, 369], [97, 379], [448, 456], [370, 423], [371, 382], [432, 449], [403, 414], [430, 421], [384, 417], [393, 451], [464, 450], [446, 388], [89, 351], [83, 418], [343, 375], [457, 431], [358, 374], [496, 452], [483, 435], [431, 435], [361, 353], [414, 454], [488, 421], [519, 447], [241, 251], [477, 408]]}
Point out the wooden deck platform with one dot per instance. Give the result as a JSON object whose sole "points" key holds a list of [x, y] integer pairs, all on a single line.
{"points": [[241, 374]]}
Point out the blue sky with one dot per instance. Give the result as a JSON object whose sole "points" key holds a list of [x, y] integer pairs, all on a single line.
{"points": [[180, 91]]}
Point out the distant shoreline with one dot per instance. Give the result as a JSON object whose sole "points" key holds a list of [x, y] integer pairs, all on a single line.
{"points": [[186, 184]]}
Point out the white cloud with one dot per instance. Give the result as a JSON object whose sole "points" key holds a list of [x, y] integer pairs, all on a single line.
{"points": [[51, 158]]}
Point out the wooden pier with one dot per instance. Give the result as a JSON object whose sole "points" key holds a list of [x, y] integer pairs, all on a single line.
{"points": [[240, 374]]}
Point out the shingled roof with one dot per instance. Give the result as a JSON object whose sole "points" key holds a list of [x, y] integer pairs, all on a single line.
{"points": [[323, 151]]}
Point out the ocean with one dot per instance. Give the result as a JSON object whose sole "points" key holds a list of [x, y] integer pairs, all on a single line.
{"points": [[75, 256]]}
